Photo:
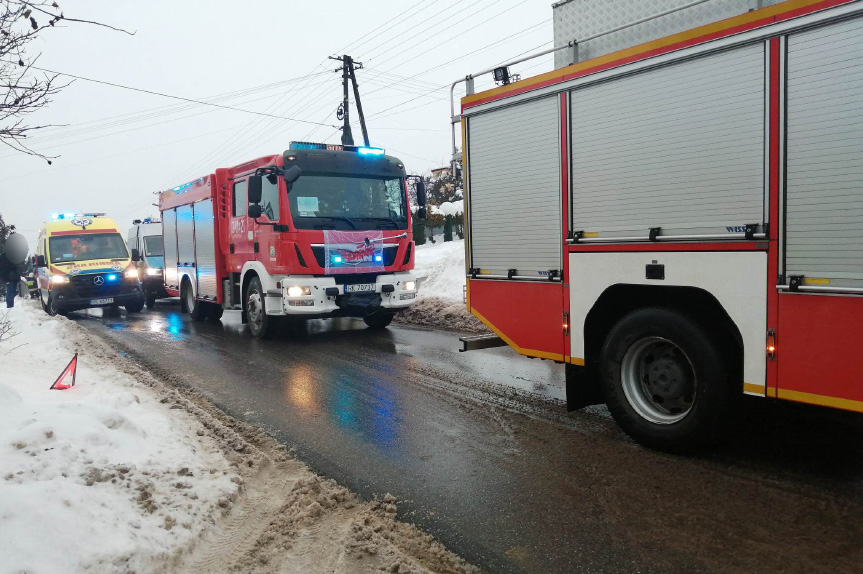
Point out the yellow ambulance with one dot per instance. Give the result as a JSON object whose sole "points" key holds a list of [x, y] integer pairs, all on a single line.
{"points": [[82, 262]]}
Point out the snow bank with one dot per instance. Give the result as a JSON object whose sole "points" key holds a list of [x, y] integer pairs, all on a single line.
{"points": [[440, 301], [440, 269], [101, 477]]}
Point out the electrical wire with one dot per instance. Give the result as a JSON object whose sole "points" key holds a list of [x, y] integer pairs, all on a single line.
{"points": [[164, 95]]}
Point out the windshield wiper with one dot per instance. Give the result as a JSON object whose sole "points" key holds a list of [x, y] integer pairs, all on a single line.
{"points": [[395, 224], [336, 218]]}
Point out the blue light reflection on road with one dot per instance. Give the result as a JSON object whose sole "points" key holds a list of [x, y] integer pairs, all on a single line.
{"points": [[174, 326]]}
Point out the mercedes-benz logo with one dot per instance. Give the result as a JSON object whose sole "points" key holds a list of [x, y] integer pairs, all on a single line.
{"points": [[98, 280]]}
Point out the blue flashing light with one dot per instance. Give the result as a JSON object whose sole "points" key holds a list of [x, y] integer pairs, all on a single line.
{"points": [[370, 151], [181, 188], [337, 259], [379, 258], [112, 277], [59, 216]]}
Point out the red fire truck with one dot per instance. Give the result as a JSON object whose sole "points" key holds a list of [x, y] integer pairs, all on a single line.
{"points": [[679, 221], [318, 231]]}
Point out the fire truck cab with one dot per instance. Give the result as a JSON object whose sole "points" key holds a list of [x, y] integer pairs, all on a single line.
{"points": [[318, 231]]}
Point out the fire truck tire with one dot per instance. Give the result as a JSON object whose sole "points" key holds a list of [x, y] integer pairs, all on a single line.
{"points": [[379, 320], [260, 324], [214, 313], [666, 379], [197, 309]]}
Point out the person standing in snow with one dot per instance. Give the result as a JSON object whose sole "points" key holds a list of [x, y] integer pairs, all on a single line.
{"points": [[10, 260]]}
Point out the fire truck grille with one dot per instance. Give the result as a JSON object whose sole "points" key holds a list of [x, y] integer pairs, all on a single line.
{"points": [[320, 255]]}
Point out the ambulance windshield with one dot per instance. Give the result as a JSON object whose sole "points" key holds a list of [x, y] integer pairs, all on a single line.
{"points": [[85, 246], [337, 201]]}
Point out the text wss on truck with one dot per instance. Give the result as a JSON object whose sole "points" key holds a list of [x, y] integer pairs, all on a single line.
{"points": [[318, 231], [684, 218], [82, 262], [145, 236]]}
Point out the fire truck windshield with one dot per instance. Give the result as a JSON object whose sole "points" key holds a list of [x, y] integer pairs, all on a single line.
{"points": [[66, 248], [337, 201]]}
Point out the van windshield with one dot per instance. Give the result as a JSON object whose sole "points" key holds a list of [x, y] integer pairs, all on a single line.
{"points": [[84, 246], [153, 246]]}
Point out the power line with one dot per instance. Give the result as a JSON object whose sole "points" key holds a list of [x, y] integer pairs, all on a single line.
{"points": [[173, 97]]}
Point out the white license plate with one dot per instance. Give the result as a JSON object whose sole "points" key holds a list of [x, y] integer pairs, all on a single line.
{"points": [[359, 287], [105, 301]]}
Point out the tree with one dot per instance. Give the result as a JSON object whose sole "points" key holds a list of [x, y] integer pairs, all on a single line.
{"points": [[25, 88], [5, 230]]}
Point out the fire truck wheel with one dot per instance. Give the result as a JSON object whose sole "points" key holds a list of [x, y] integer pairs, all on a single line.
{"points": [[214, 313], [197, 309], [666, 379], [260, 325], [379, 320]]}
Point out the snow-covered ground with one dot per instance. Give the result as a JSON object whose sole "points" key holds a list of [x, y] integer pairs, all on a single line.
{"points": [[440, 302], [125, 474], [440, 268], [100, 476]]}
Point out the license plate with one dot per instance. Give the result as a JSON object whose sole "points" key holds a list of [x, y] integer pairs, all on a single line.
{"points": [[359, 287], [105, 301]]}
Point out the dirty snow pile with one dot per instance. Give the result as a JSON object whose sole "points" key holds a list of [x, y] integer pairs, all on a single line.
{"points": [[125, 474], [101, 477], [440, 302]]}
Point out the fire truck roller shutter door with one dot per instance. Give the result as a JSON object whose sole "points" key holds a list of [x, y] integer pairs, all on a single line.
{"points": [[825, 143], [205, 248], [169, 233], [515, 198], [679, 147], [186, 244]]}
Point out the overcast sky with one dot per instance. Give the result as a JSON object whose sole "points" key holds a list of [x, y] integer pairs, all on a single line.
{"points": [[118, 146]]}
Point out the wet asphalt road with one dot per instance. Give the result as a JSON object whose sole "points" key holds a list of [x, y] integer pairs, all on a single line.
{"points": [[481, 452]]}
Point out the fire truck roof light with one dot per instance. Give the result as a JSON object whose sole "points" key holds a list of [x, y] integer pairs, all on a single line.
{"points": [[370, 151]]}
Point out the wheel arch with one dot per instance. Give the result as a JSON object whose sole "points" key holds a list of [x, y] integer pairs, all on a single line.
{"points": [[619, 300]]}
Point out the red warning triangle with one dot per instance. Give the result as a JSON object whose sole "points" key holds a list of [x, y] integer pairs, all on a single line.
{"points": [[72, 369]]}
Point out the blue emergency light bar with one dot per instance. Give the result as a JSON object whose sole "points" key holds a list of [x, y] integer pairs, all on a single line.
{"points": [[337, 147], [58, 216]]}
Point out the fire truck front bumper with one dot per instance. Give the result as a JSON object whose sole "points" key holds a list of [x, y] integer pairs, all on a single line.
{"points": [[309, 296]]}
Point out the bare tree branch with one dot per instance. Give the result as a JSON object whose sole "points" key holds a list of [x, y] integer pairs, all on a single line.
{"points": [[23, 91]]}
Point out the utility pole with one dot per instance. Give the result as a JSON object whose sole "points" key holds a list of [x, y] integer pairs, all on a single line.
{"points": [[348, 70]]}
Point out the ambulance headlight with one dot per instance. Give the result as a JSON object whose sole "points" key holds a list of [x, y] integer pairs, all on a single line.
{"points": [[409, 285], [153, 271], [132, 274], [299, 291], [58, 279]]}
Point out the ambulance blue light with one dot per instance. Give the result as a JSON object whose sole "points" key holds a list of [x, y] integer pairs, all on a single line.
{"points": [[56, 216], [337, 259], [370, 151], [112, 277]]}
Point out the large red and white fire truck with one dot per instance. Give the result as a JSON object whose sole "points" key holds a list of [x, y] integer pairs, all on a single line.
{"points": [[679, 221], [318, 231]]}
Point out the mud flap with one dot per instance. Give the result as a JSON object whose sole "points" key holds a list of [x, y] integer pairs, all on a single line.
{"points": [[582, 389]]}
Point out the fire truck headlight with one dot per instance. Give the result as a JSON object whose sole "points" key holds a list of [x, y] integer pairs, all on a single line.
{"points": [[409, 285], [299, 291], [132, 274], [58, 279], [153, 271]]}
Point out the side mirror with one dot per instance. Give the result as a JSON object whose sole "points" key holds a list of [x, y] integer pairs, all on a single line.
{"points": [[40, 261], [421, 193], [255, 189], [421, 213], [292, 174], [136, 255], [254, 210]]}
